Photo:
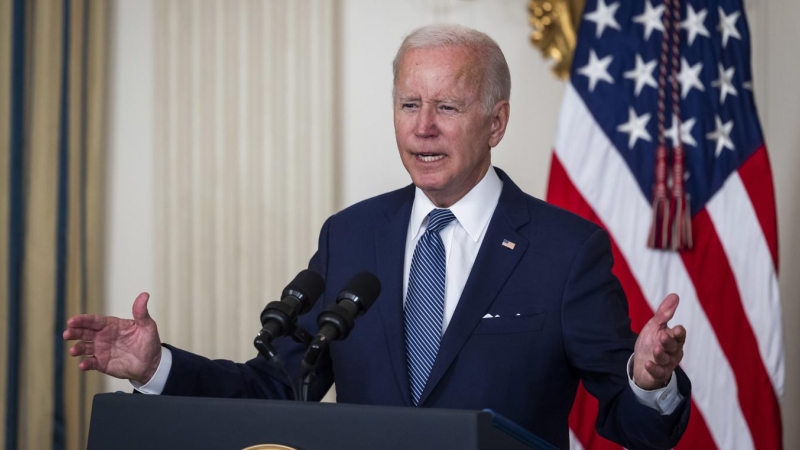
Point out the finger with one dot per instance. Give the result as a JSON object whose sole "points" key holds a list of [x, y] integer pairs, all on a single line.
{"points": [[82, 348], [89, 363], [679, 334], [656, 371], [140, 313], [660, 356], [71, 334], [673, 339], [668, 342], [90, 321], [666, 310]]}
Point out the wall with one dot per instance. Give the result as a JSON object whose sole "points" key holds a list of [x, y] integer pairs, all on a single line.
{"points": [[130, 255]]}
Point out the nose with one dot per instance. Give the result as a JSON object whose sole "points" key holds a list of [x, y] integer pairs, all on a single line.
{"points": [[426, 122]]}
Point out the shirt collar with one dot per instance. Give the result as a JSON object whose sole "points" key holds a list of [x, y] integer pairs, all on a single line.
{"points": [[473, 211]]}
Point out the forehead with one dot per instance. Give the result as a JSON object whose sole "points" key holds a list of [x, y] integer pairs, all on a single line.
{"points": [[440, 67]]}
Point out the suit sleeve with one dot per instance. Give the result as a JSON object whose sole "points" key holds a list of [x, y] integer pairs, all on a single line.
{"points": [[195, 375], [599, 341]]}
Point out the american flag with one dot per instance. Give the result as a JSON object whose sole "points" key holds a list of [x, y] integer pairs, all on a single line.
{"points": [[604, 169]]}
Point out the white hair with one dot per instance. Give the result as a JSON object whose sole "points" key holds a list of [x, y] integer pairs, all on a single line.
{"points": [[497, 77]]}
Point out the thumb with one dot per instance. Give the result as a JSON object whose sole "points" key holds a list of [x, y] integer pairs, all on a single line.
{"points": [[667, 309], [140, 314]]}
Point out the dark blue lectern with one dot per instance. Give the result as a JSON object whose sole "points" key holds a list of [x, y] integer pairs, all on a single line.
{"points": [[126, 421]]}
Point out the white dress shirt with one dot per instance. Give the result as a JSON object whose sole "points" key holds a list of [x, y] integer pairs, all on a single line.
{"points": [[462, 239]]}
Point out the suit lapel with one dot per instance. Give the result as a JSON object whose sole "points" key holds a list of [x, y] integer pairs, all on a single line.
{"points": [[492, 267], [390, 245]]}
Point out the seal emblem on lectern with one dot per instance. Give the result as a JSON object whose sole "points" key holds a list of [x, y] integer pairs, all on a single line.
{"points": [[269, 447]]}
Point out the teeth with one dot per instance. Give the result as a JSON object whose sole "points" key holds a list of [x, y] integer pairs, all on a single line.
{"points": [[430, 158]]}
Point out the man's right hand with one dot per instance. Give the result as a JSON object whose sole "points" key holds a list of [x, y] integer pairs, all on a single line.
{"points": [[128, 349]]}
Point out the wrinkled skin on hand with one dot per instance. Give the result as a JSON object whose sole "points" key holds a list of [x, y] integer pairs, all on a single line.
{"points": [[659, 348], [122, 348]]}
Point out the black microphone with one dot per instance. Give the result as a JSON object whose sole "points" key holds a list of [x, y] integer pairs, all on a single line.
{"points": [[299, 296], [338, 319]]}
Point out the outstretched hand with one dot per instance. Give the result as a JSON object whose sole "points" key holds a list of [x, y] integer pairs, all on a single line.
{"points": [[122, 348], [659, 348]]}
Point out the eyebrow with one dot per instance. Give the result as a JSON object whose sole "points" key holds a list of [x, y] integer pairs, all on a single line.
{"points": [[408, 99], [450, 100], [437, 101]]}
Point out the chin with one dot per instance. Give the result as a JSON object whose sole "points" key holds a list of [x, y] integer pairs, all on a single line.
{"points": [[427, 182]]}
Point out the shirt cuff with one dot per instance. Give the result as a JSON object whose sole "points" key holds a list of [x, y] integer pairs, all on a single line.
{"points": [[156, 384], [663, 400]]}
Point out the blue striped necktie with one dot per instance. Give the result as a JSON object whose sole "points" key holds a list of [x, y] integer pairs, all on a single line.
{"points": [[424, 310]]}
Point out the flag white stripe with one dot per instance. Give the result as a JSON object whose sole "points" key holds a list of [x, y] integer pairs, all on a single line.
{"points": [[614, 195], [746, 248], [574, 442]]}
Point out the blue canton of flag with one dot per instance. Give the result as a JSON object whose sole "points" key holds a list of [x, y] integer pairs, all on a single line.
{"points": [[616, 73]]}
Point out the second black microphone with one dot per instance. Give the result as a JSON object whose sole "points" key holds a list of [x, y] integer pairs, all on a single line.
{"points": [[336, 322]]}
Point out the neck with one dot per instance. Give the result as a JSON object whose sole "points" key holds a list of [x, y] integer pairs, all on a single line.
{"points": [[446, 200]]}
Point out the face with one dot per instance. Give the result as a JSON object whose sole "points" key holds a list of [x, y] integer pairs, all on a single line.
{"points": [[443, 132]]}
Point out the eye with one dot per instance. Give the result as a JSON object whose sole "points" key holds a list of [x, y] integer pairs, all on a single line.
{"points": [[447, 108], [408, 106]]}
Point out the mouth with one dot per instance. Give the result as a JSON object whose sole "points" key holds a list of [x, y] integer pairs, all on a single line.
{"points": [[428, 157]]}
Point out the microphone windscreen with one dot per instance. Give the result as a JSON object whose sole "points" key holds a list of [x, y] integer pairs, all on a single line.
{"points": [[309, 283], [366, 287]]}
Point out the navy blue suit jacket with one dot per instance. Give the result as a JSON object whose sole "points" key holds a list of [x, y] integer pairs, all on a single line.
{"points": [[562, 319]]}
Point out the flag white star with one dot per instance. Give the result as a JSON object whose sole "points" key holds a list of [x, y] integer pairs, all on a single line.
{"points": [[690, 77], [642, 74], [597, 70], [694, 23], [727, 25], [603, 17], [725, 83], [722, 136], [686, 132], [651, 19], [748, 85], [635, 127]]}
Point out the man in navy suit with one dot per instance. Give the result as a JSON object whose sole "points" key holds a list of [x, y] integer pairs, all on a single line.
{"points": [[530, 306]]}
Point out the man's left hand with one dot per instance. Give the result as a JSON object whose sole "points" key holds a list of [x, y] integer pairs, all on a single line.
{"points": [[659, 348]]}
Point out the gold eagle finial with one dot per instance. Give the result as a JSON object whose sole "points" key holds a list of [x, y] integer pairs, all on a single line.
{"points": [[555, 30]]}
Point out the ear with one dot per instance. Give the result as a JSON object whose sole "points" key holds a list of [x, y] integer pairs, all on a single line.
{"points": [[499, 121]]}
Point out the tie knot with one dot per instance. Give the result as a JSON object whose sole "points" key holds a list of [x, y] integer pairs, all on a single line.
{"points": [[438, 219]]}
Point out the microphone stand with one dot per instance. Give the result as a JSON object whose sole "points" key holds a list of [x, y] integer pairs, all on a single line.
{"points": [[308, 369], [267, 350]]}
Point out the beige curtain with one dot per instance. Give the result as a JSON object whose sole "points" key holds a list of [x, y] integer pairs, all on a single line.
{"points": [[5, 106], [244, 161], [52, 60]]}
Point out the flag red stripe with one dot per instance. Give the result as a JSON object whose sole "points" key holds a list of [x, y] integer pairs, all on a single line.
{"points": [[582, 419], [561, 192], [696, 435], [756, 176], [718, 294]]}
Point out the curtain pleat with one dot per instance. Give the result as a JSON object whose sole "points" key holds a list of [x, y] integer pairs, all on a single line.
{"points": [[51, 212], [15, 239], [6, 29], [73, 291], [41, 203], [93, 180], [244, 151], [84, 280]]}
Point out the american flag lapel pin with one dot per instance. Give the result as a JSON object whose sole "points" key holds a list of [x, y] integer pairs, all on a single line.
{"points": [[508, 244]]}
